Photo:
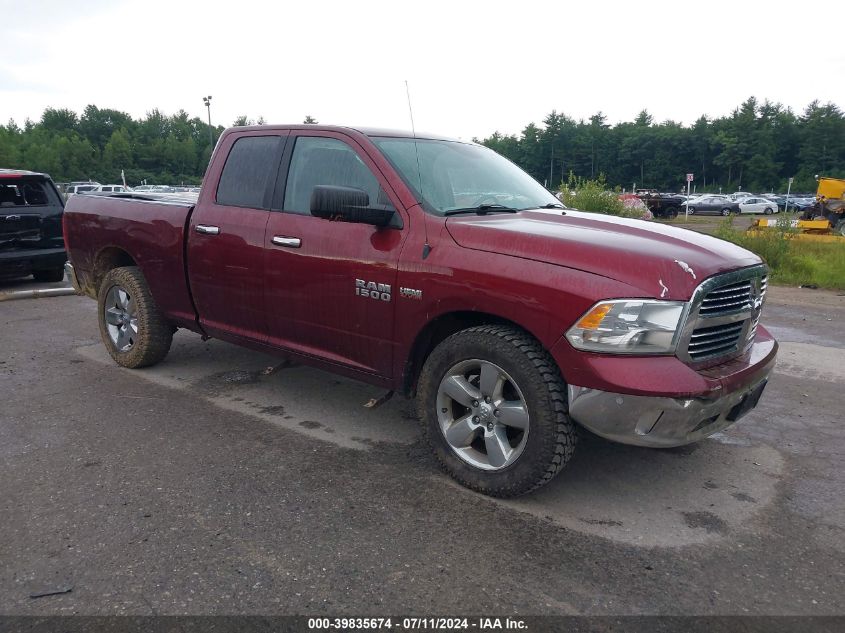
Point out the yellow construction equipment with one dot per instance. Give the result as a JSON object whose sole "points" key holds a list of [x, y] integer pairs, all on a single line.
{"points": [[825, 221]]}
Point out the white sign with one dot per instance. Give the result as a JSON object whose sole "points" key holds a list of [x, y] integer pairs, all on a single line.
{"points": [[689, 177], [790, 180]]}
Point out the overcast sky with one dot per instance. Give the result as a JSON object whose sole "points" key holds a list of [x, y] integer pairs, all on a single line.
{"points": [[473, 67]]}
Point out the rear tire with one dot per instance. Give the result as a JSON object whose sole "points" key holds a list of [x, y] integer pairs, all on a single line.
{"points": [[768, 211], [132, 327], [498, 396], [49, 276]]}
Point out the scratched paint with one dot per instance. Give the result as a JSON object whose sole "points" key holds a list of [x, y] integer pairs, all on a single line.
{"points": [[686, 268]]}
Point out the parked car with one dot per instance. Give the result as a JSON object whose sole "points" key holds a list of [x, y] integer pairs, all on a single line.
{"points": [[142, 188], [739, 195], [661, 205], [30, 226], [800, 204], [712, 205], [111, 189], [74, 189], [753, 204], [509, 322]]}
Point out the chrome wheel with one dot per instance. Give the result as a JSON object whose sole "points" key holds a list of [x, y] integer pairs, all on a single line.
{"points": [[482, 414], [121, 318]]}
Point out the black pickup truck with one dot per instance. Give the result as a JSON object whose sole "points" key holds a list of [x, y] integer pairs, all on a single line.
{"points": [[31, 240], [662, 205]]}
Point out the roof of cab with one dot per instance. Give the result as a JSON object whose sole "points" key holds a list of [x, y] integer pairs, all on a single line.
{"points": [[16, 173], [366, 131]]}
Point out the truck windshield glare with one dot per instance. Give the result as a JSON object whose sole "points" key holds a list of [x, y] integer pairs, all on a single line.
{"points": [[454, 175]]}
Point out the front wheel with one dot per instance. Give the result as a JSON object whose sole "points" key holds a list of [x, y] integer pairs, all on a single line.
{"points": [[493, 406], [132, 327], [726, 212], [691, 210]]}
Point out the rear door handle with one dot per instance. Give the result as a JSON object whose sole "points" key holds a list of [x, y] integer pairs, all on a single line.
{"points": [[205, 229], [290, 242]]}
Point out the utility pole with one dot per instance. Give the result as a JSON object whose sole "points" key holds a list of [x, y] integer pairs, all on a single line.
{"points": [[207, 102]]}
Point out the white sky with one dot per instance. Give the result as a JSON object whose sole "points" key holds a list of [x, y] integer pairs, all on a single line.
{"points": [[473, 67]]}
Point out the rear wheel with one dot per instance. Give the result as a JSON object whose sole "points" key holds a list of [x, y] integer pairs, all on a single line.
{"points": [[672, 213], [768, 211], [840, 228], [52, 275], [493, 406], [132, 327]]}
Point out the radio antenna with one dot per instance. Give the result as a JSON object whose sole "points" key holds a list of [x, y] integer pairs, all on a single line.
{"points": [[427, 246], [410, 109]]}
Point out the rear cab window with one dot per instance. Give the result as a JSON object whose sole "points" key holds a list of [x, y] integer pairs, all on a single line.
{"points": [[247, 171], [27, 192]]}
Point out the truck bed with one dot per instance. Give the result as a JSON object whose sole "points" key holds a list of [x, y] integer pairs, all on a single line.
{"points": [[101, 228]]}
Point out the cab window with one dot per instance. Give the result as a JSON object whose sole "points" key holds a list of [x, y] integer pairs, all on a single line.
{"points": [[325, 161], [247, 170]]}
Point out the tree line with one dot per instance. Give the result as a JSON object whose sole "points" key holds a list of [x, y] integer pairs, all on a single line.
{"points": [[756, 148]]}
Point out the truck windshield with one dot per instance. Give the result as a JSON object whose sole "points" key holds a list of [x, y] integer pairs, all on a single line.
{"points": [[451, 175]]}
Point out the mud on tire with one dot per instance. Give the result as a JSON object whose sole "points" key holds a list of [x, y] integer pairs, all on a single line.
{"points": [[132, 327], [551, 434]]}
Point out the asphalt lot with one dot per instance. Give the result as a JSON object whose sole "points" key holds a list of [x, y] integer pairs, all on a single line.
{"points": [[220, 482]]}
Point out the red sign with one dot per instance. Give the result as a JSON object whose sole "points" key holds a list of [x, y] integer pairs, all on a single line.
{"points": [[689, 177]]}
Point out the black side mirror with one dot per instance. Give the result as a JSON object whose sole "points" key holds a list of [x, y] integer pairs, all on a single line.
{"points": [[348, 204]]}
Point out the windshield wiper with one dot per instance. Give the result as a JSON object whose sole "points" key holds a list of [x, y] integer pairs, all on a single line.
{"points": [[552, 205], [482, 209]]}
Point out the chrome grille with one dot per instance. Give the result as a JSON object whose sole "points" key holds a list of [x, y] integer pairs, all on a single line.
{"points": [[726, 299], [715, 340], [723, 316]]}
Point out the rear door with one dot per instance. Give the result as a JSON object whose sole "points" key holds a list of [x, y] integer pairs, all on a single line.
{"points": [[331, 286], [226, 236]]}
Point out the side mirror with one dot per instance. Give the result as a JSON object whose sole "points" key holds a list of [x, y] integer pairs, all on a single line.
{"points": [[348, 204]]}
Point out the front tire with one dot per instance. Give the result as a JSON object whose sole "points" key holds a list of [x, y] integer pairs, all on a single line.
{"points": [[726, 212], [691, 211], [493, 407], [132, 327]]}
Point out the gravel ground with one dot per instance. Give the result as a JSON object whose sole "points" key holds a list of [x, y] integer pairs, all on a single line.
{"points": [[212, 484]]}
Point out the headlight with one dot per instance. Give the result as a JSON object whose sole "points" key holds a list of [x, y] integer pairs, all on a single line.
{"points": [[629, 326]]}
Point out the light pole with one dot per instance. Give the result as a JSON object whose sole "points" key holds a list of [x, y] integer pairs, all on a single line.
{"points": [[207, 102]]}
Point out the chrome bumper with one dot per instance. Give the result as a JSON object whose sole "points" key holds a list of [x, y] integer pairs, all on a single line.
{"points": [[659, 421], [71, 275]]}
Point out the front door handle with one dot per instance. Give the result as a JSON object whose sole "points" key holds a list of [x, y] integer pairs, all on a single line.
{"points": [[205, 229], [290, 242]]}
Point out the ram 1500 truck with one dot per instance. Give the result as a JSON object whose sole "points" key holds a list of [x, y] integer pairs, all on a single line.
{"points": [[437, 268]]}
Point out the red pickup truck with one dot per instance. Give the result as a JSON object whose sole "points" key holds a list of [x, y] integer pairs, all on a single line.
{"points": [[437, 268]]}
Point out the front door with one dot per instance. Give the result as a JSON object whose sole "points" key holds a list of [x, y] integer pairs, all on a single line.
{"points": [[331, 286]]}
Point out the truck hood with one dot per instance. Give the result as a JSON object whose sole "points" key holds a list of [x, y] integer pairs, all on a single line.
{"points": [[659, 260]]}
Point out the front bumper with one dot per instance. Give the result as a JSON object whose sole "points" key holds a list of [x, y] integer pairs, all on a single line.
{"points": [[664, 421]]}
